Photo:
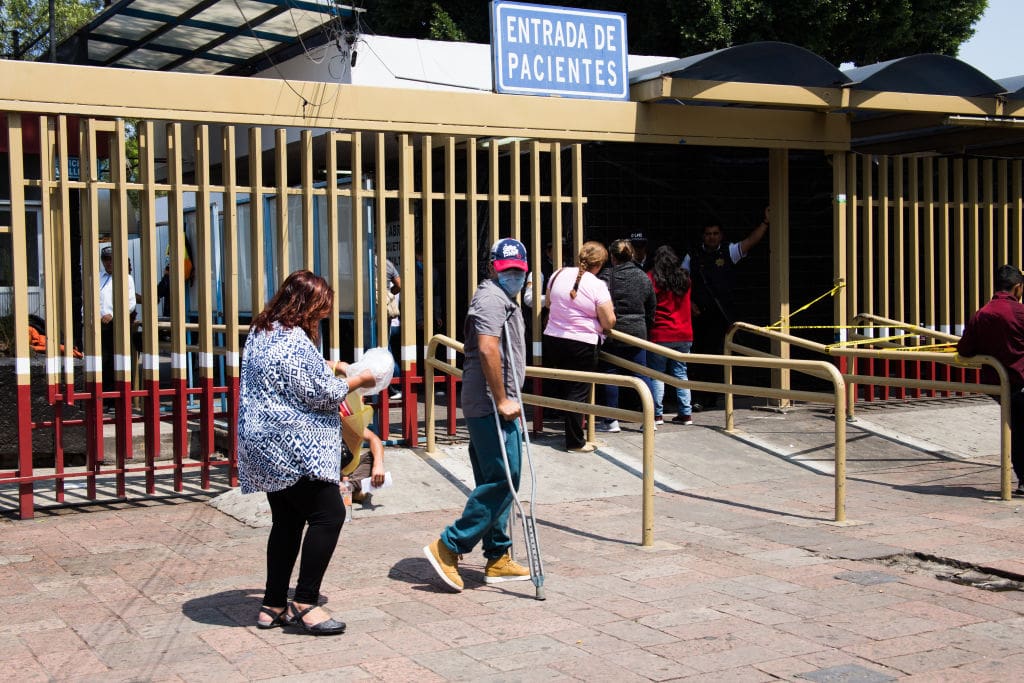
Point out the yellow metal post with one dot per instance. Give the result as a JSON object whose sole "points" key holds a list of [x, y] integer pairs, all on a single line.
{"points": [[358, 242], [779, 302], [257, 262], [283, 256], [19, 308], [306, 159]]}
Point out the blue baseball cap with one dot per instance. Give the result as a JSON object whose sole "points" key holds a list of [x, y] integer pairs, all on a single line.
{"points": [[508, 253]]}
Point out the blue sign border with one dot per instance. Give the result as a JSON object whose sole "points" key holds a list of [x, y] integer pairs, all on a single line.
{"points": [[503, 83]]}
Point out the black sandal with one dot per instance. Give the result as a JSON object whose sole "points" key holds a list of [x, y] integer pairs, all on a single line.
{"points": [[327, 627], [278, 618]]}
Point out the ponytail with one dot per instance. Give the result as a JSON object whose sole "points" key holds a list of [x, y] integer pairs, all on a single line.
{"points": [[576, 286]]}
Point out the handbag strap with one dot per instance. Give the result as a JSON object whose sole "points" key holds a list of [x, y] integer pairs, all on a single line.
{"points": [[551, 284]]}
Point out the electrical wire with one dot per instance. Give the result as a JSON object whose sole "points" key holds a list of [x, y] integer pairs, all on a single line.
{"points": [[266, 53], [410, 78]]}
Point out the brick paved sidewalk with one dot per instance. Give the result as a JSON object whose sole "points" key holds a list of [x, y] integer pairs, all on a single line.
{"points": [[745, 583]]}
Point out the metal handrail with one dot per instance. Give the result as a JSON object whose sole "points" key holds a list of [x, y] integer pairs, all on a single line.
{"points": [[1002, 390], [645, 416], [871, 318], [816, 368]]}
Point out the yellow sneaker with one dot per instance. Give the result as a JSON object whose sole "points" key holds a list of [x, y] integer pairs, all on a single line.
{"points": [[505, 568], [445, 563]]}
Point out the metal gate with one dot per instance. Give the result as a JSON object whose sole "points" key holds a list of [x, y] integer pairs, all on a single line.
{"points": [[923, 236], [178, 378]]}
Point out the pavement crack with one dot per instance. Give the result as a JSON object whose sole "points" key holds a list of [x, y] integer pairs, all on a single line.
{"points": [[956, 571]]}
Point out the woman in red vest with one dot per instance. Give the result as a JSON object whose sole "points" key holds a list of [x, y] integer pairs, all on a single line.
{"points": [[672, 328]]}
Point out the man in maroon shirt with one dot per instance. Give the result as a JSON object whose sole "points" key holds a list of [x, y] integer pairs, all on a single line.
{"points": [[997, 329]]}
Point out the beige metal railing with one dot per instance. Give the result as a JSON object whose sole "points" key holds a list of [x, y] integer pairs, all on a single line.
{"points": [[1002, 390], [645, 416], [273, 216], [923, 236], [896, 335], [755, 359]]}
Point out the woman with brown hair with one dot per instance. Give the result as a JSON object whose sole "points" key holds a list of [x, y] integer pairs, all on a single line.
{"points": [[634, 302], [580, 311], [289, 446]]}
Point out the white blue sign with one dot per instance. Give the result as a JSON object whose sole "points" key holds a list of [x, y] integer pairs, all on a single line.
{"points": [[559, 51]]}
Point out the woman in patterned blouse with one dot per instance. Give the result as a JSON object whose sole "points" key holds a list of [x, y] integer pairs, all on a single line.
{"points": [[289, 446]]}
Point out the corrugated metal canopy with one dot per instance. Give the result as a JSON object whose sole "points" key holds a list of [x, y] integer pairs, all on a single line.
{"points": [[923, 104], [197, 36], [934, 133], [763, 62], [1014, 87], [924, 75]]}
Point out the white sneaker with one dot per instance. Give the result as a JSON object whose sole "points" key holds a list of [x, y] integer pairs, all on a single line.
{"points": [[611, 427]]}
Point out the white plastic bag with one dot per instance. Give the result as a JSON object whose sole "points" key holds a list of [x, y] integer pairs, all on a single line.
{"points": [[380, 363]]}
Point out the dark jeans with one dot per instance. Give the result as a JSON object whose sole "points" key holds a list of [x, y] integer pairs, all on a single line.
{"points": [[107, 362], [630, 353], [709, 330], [485, 517], [569, 354], [1017, 434], [307, 501]]}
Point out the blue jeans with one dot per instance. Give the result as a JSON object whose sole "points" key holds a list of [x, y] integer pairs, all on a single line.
{"points": [[676, 369], [395, 346], [485, 516], [630, 353]]}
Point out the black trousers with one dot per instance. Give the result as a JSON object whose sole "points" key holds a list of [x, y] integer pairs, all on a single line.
{"points": [[709, 330], [307, 501], [569, 354], [1017, 434], [107, 361]]}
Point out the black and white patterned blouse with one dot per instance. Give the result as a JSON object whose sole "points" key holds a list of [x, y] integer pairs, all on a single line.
{"points": [[288, 421]]}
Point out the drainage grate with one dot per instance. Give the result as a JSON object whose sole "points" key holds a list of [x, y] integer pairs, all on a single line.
{"points": [[847, 673]]}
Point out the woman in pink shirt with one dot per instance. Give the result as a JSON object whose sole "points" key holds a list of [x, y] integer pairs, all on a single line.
{"points": [[672, 328], [580, 310]]}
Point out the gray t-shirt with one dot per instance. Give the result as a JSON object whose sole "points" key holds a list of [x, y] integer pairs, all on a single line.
{"points": [[488, 312]]}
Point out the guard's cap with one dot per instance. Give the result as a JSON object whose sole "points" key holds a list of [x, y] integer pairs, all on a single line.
{"points": [[106, 252], [509, 253]]}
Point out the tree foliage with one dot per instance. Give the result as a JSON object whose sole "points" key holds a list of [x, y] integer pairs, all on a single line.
{"points": [[858, 31], [31, 18]]}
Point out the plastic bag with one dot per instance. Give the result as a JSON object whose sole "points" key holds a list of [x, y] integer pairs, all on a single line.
{"points": [[393, 310], [380, 363]]}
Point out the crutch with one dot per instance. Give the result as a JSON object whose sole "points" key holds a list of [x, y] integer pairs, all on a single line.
{"points": [[528, 520]]}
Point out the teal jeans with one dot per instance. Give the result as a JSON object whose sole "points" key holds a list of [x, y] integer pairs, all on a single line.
{"points": [[485, 516]]}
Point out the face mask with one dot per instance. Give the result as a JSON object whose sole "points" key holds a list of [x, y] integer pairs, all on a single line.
{"points": [[512, 281]]}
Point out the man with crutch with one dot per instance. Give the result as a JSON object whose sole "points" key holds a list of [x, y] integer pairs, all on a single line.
{"points": [[492, 378]]}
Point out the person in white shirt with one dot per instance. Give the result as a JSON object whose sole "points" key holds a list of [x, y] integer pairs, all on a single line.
{"points": [[107, 324], [712, 272]]}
